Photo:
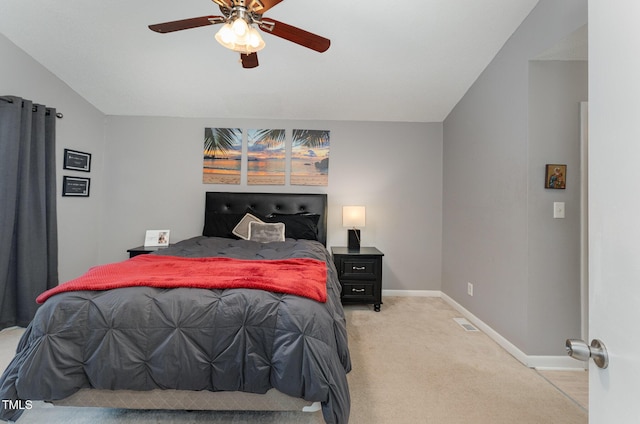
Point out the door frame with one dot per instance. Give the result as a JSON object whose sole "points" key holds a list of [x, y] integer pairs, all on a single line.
{"points": [[584, 219]]}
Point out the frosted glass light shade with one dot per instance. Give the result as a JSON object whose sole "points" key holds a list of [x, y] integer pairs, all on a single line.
{"points": [[240, 27], [249, 41]]}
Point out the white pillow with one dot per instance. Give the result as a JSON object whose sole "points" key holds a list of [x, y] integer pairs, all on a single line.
{"points": [[242, 228], [266, 232]]}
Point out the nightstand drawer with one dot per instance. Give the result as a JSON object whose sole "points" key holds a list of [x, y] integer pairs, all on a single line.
{"points": [[357, 289], [359, 268]]}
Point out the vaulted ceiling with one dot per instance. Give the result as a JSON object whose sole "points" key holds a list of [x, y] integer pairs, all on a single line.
{"points": [[388, 61]]}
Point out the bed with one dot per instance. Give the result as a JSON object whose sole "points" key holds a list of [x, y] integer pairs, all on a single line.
{"points": [[234, 347]]}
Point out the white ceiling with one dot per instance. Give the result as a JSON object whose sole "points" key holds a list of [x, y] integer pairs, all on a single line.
{"points": [[388, 61]]}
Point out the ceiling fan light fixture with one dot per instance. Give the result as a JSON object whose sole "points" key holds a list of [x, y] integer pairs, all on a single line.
{"points": [[255, 40], [249, 42], [240, 22], [240, 27], [225, 35]]}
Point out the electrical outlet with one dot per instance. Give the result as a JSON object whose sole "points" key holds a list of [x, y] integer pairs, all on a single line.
{"points": [[470, 289]]}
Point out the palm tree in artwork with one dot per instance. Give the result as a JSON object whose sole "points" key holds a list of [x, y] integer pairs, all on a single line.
{"points": [[310, 138], [268, 138], [218, 141]]}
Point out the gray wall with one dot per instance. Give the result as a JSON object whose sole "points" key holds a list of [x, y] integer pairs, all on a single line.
{"points": [[394, 169], [556, 90], [82, 128], [496, 222]]}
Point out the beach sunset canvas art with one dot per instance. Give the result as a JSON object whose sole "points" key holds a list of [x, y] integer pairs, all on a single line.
{"points": [[266, 157], [310, 157], [222, 156]]}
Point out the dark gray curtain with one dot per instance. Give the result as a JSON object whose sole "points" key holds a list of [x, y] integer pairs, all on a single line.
{"points": [[28, 222]]}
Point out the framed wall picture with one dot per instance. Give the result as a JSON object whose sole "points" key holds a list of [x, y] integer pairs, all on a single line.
{"points": [[310, 157], [75, 186], [266, 152], [555, 176], [156, 238], [222, 156], [77, 161]]}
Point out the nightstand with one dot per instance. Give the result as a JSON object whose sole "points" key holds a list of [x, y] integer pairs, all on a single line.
{"points": [[360, 273], [143, 250]]}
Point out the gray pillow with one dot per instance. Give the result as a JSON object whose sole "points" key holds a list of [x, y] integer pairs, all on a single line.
{"points": [[242, 228], [265, 232]]}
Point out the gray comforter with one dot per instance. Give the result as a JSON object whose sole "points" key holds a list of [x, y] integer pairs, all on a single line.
{"points": [[144, 338]]}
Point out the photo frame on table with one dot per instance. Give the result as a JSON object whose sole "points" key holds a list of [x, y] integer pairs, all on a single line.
{"points": [[77, 161], [156, 238], [555, 176], [75, 186]]}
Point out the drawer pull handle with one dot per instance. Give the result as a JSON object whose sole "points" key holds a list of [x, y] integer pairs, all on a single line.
{"points": [[358, 268], [354, 290]]}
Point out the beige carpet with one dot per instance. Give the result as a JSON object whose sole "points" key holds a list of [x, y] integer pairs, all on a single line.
{"points": [[574, 384], [412, 364]]}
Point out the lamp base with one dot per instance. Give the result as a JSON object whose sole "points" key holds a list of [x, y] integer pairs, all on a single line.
{"points": [[353, 239]]}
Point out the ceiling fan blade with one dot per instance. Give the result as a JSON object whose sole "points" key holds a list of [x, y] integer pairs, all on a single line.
{"points": [[186, 24], [261, 6], [249, 60], [296, 35]]}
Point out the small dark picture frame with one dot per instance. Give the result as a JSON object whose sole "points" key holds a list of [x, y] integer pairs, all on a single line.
{"points": [[555, 176], [77, 161], [75, 186]]}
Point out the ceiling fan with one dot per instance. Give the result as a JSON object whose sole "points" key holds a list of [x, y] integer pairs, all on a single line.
{"points": [[238, 33]]}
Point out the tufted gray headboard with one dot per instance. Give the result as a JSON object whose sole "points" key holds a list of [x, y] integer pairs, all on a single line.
{"points": [[268, 203]]}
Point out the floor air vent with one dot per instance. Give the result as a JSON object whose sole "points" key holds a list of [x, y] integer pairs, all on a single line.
{"points": [[465, 324]]}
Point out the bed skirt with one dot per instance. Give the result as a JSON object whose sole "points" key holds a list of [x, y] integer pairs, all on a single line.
{"points": [[273, 400]]}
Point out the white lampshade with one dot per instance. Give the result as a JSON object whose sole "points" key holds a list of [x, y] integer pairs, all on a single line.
{"points": [[353, 216]]}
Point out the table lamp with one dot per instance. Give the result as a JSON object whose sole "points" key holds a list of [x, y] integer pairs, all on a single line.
{"points": [[353, 217]]}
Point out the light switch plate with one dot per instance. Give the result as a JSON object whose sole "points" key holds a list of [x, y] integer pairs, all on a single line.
{"points": [[558, 209]]}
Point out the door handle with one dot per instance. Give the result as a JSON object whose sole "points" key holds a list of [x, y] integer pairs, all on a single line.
{"points": [[579, 350]]}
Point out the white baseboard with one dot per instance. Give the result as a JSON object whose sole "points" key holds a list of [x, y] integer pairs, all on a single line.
{"points": [[556, 363], [412, 293], [531, 361]]}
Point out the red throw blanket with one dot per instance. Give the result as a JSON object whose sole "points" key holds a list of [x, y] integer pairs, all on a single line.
{"points": [[299, 276]]}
